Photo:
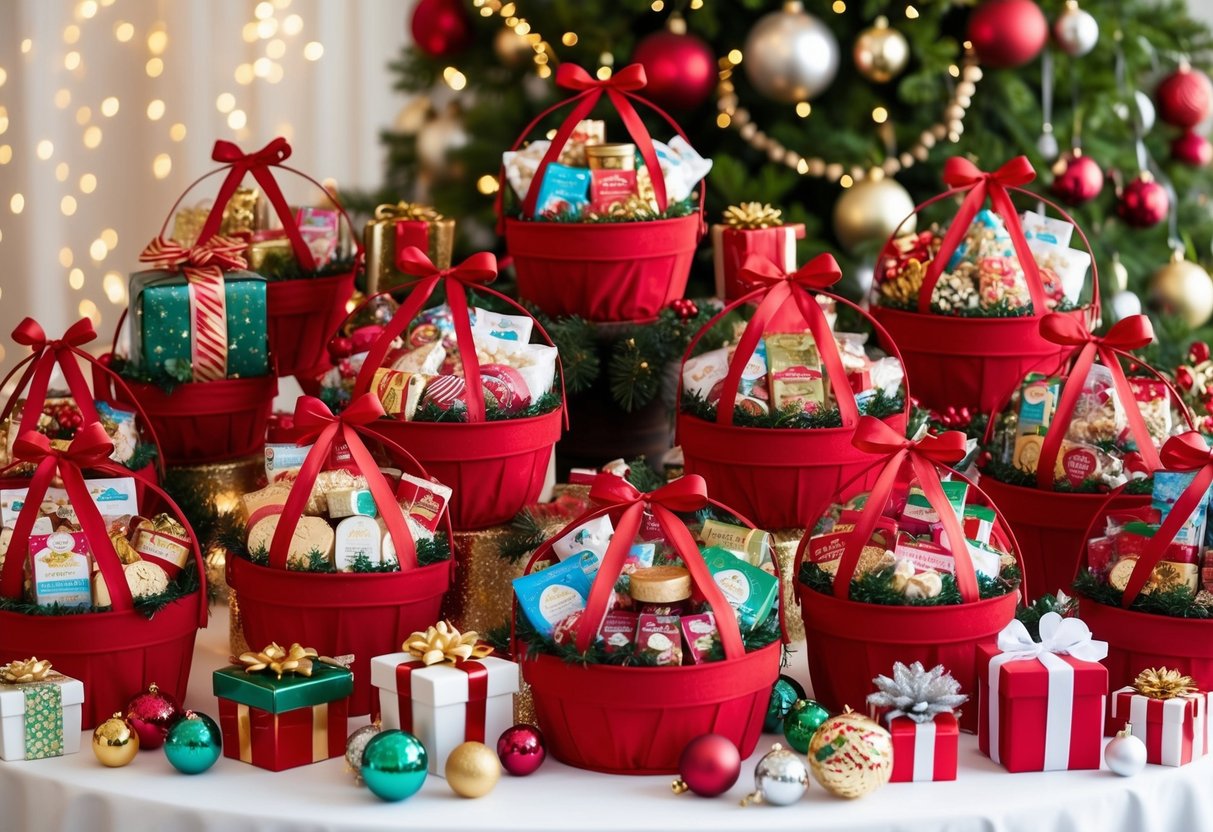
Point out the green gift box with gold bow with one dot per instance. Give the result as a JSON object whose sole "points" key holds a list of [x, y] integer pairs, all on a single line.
{"points": [[40, 717]]}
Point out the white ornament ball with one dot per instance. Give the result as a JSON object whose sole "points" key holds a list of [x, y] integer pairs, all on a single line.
{"points": [[1048, 147], [1125, 305], [1076, 30], [1125, 754], [790, 55], [438, 138]]}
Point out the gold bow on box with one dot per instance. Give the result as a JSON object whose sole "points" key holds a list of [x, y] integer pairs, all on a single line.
{"points": [[427, 229], [277, 659], [21, 672], [442, 643], [750, 215], [1162, 683]]}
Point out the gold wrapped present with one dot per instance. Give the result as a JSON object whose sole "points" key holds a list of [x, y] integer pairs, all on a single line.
{"points": [[246, 211], [399, 226]]}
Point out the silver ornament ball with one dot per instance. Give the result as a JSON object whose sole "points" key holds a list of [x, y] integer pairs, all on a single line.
{"points": [[780, 778], [791, 56], [1125, 754], [1048, 147], [356, 744], [1125, 305], [1076, 30]]}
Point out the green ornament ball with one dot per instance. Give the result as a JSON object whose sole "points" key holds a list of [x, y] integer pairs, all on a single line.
{"points": [[784, 694], [193, 743], [802, 723], [394, 765]]}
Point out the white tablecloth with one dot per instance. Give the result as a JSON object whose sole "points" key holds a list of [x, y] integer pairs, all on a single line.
{"points": [[77, 793]]}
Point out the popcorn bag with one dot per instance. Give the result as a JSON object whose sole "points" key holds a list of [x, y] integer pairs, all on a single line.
{"points": [[967, 338], [695, 673], [623, 269], [356, 590], [490, 375], [118, 644], [799, 388]]}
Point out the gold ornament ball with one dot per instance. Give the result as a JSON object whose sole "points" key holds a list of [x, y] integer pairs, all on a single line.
{"points": [[114, 742], [851, 755], [511, 48], [1183, 288], [870, 211], [472, 769], [881, 53]]}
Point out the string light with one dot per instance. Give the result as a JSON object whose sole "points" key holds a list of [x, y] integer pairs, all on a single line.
{"points": [[154, 68], [71, 61], [67, 205], [177, 132], [87, 9], [157, 40], [75, 279], [487, 184], [71, 34], [236, 119], [98, 250], [26, 46], [88, 183], [16, 203], [62, 171], [65, 257], [89, 310], [313, 51], [114, 287], [110, 237], [293, 25], [45, 149], [92, 137], [244, 74], [155, 109], [912, 14], [225, 102], [162, 165], [455, 79], [63, 97], [6, 154], [109, 107], [83, 116], [123, 31]]}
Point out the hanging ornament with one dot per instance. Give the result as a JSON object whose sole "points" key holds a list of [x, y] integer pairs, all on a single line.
{"points": [[413, 116], [802, 722], [1182, 288], [784, 694], [472, 769], [1120, 274], [115, 742], [193, 743], [870, 211], [780, 778], [521, 749], [916, 692], [1008, 33], [511, 48], [355, 744], [881, 52], [1191, 148], [790, 55], [394, 765], [1125, 754], [441, 28], [438, 138], [680, 67], [851, 756], [1184, 97], [709, 766], [1143, 202], [1125, 304], [151, 714], [1075, 30], [1077, 179]]}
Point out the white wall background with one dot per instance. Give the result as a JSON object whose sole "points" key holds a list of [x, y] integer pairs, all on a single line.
{"points": [[74, 171]]}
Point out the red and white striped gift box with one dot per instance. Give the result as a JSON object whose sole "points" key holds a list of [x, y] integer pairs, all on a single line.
{"points": [[1175, 731]]}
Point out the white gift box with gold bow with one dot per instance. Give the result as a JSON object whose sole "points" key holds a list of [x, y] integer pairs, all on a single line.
{"points": [[40, 718]]}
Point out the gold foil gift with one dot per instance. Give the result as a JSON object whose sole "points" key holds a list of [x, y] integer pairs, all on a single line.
{"points": [[398, 226], [246, 211]]}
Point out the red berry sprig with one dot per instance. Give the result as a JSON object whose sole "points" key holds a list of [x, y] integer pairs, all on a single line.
{"points": [[685, 308]]}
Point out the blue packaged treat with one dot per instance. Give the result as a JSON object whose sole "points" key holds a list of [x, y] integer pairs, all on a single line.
{"points": [[987, 237], [551, 595], [563, 190], [1168, 485]]}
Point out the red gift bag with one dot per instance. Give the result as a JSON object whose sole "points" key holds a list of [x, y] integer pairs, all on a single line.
{"points": [[115, 653], [850, 642], [780, 476], [346, 613], [602, 271], [637, 720], [972, 362]]}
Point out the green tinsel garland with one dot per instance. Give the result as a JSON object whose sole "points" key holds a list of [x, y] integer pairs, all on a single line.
{"points": [[185, 584], [1177, 602], [876, 587]]}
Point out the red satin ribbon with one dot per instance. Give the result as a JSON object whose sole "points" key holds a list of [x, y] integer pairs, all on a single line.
{"points": [[773, 289], [315, 424], [925, 457], [1186, 452], [1127, 334], [411, 233], [258, 163], [40, 363], [477, 703], [620, 89], [961, 174]]}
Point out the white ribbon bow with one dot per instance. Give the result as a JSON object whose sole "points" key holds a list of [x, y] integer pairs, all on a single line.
{"points": [[1061, 636]]}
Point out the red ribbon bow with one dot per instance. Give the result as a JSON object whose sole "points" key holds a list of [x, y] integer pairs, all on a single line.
{"points": [[961, 174], [758, 272], [40, 363], [573, 77], [1127, 334], [229, 153], [685, 494], [874, 436], [90, 447]]}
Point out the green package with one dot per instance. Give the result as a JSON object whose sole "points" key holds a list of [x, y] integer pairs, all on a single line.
{"points": [[749, 590], [919, 508], [264, 690]]}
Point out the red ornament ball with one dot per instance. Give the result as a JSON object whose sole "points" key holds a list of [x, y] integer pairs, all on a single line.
{"points": [[709, 765], [1198, 352], [521, 749], [1078, 179], [1143, 203], [1192, 149], [151, 714], [681, 69], [441, 28], [341, 347], [1184, 97], [1008, 33]]}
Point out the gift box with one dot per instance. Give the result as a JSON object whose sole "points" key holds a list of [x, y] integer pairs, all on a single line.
{"points": [[1041, 704], [278, 723], [1175, 731], [40, 718], [731, 246], [924, 751], [445, 705], [168, 308], [396, 227]]}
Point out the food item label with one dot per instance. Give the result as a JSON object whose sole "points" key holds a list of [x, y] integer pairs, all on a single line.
{"points": [[61, 566], [356, 537]]}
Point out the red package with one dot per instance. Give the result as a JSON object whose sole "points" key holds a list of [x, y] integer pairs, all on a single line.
{"points": [[923, 752]]}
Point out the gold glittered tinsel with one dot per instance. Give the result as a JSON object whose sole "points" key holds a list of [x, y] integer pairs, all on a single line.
{"points": [[1163, 683], [751, 215]]}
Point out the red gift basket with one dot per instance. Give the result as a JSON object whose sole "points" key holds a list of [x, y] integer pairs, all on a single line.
{"points": [[495, 467], [115, 653], [345, 613], [850, 642], [1137, 639], [1048, 524], [972, 362], [779, 476], [602, 271], [45, 355], [637, 720]]}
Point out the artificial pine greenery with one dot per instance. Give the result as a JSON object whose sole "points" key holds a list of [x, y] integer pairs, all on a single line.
{"points": [[185, 584], [876, 587], [282, 265], [1176, 602], [429, 551], [1006, 472], [1030, 616], [431, 412], [793, 416]]}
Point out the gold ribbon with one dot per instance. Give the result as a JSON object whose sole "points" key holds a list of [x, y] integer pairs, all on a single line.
{"points": [[407, 211], [751, 215], [442, 643], [1162, 683], [20, 672], [279, 660]]}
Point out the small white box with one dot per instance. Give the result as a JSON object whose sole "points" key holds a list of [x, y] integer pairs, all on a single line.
{"points": [[12, 716], [439, 695]]}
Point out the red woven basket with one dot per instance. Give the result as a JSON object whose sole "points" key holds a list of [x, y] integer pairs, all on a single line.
{"points": [[972, 362], [614, 271], [629, 720], [849, 643], [780, 477]]}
